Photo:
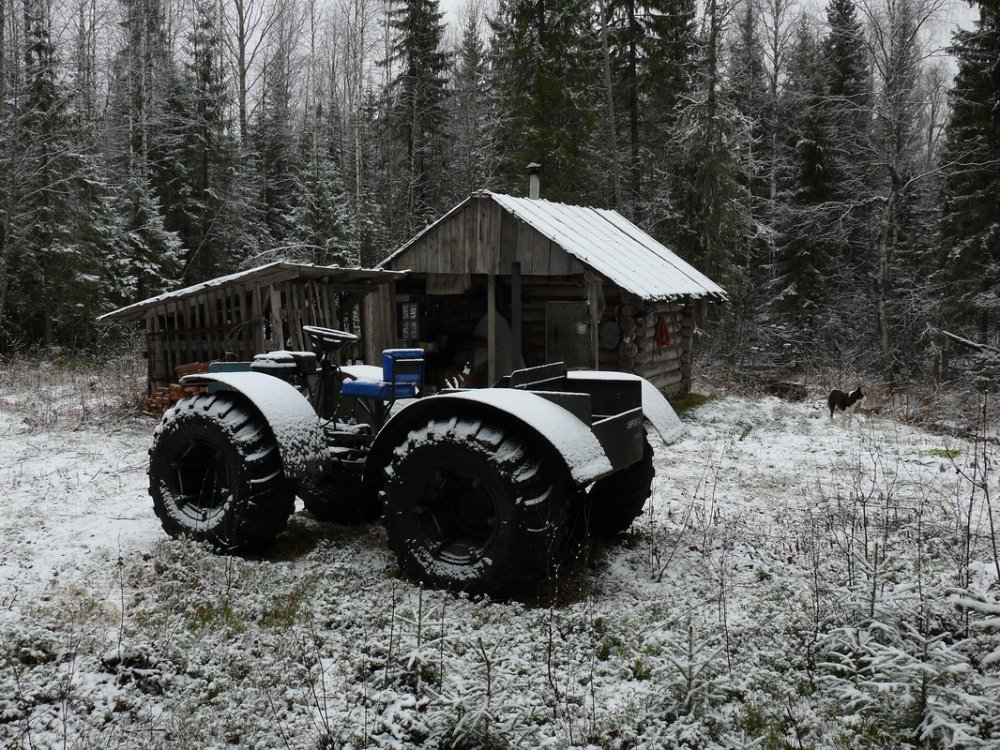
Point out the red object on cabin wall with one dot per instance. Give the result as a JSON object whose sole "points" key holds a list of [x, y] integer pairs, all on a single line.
{"points": [[663, 337]]}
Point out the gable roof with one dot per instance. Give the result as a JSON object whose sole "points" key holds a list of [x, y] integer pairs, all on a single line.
{"points": [[606, 242]]}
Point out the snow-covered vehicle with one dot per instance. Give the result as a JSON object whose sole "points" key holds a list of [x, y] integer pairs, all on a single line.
{"points": [[481, 490]]}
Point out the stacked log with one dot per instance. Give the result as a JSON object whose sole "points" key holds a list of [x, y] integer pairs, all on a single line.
{"points": [[667, 367], [160, 399]]}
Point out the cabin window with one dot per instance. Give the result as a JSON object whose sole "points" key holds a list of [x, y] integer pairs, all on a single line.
{"points": [[409, 324]]}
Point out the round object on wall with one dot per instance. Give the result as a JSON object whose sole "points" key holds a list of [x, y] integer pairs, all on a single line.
{"points": [[609, 334]]}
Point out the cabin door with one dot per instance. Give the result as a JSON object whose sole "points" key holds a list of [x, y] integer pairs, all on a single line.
{"points": [[567, 334]]}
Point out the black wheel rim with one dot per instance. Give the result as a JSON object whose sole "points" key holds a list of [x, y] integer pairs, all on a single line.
{"points": [[200, 479], [457, 514]]}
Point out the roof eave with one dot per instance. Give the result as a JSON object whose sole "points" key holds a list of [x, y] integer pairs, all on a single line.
{"points": [[280, 269]]}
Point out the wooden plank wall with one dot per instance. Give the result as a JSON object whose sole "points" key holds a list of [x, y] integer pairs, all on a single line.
{"points": [[484, 238], [227, 323], [536, 291]]}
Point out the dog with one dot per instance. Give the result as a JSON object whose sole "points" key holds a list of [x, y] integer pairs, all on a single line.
{"points": [[845, 402]]}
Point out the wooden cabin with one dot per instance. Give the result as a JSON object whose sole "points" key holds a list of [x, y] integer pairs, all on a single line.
{"points": [[501, 280], [234, 317]]}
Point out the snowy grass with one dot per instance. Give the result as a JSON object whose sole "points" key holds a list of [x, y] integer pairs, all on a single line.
{"points": [[793, 584], [68, 391]]}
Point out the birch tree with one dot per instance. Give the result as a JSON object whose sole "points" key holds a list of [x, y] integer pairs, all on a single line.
{"points": [[248, 25], [897, 48]]}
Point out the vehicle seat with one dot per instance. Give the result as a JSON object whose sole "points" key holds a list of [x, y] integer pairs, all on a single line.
{"points": [[402, 377]]}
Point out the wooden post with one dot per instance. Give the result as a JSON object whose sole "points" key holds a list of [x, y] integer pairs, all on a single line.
{"points": [[595, 305], [277, 326], [491, 312], [484, 252], [515, 314], [595, 321], [378, 322]]}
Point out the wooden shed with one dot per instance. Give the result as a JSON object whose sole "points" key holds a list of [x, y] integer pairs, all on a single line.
{"points": [[500, 280], [234, 317]]}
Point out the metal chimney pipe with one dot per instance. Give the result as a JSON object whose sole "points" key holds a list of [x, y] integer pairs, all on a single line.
{"points": [[534, 181]]}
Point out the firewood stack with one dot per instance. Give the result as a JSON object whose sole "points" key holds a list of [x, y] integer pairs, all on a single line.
{"points": [[161, 398]]}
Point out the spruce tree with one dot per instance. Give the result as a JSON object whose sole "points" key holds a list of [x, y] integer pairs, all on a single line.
{"points": [[847, 113], [845, 57], [807, 241], [710, 197], [60, 227], [242, 218], [145, 152], [418, 105], [747, 90], [653, 47], [543, 61], [470, 108], [207, 150], [970, 225], [321, 221]]}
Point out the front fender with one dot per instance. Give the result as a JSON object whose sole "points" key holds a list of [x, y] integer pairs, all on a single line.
{"points": [[292, 419], [550, 424]]}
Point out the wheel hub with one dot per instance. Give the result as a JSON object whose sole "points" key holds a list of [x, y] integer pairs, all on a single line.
{"points": [[458, 515], [201, 480]]}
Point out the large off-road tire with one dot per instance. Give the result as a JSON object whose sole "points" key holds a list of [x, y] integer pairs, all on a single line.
{"points": [[215, 474], [470, 507], [615, 501], [337, 497]]}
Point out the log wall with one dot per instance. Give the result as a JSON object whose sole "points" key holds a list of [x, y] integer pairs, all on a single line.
{"points": [[667, 367]]}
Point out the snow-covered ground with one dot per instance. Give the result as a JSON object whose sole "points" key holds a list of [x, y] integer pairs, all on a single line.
{"points": [[795, 583]]}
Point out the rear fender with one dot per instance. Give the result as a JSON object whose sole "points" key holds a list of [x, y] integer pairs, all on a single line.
{"points": [[569, 438], [292, 419], [655, 408]]}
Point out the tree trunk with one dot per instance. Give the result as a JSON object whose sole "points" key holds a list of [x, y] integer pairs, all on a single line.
{"points": [[633, 111], [887, 234], [711, 106], [3, 64], [616, 178], [241, 69]]}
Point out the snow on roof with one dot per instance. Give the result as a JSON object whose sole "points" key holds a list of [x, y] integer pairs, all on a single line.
{"points": [[605, 241], [269, 273], [614, 247]]}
